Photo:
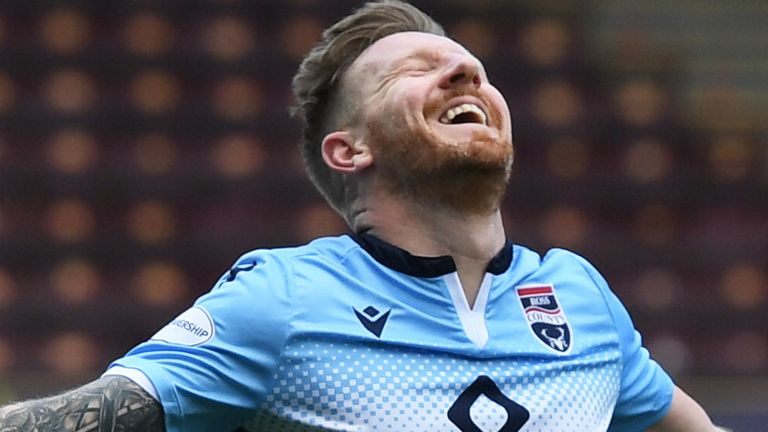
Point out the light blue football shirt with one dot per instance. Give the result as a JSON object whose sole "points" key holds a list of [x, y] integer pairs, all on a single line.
{"points": [[353, 334]]}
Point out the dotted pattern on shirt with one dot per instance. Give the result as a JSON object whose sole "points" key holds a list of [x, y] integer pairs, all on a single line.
{"points": [[353, 387]]}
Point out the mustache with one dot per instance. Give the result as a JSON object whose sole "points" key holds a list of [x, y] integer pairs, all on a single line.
{"points": [[453, 93]]}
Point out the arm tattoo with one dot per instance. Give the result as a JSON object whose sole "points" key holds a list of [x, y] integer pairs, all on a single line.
{"points": [[109, 404]]}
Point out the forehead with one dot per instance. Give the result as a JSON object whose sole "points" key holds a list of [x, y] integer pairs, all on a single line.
{"points": [[389, 50]]}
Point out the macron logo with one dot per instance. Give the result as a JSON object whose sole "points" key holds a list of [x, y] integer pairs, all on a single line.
{"points": [[239, 268], [368, 318]]}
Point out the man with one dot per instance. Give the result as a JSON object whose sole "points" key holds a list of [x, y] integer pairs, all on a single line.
{"points": [[426, 319]]}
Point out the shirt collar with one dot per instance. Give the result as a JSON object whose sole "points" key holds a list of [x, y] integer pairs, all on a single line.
{"points": [[403, 261]]}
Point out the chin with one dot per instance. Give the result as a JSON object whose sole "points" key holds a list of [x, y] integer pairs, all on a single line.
{"points": [[472, 183], [469, 177], [467, 173], [482, 151]]}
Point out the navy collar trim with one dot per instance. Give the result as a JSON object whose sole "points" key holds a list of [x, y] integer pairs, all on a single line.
{"points": [[403, 261]]}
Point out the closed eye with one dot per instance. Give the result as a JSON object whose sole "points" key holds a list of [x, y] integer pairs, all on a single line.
{"points": [[416, 72], [415, 66]]}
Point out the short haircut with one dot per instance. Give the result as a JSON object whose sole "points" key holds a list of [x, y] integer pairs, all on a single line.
{"points": [[317, 81]]}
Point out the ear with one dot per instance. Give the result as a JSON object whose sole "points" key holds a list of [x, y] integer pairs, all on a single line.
{"points": [[344, 153]]}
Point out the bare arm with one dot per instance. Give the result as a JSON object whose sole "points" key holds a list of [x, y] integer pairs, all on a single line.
{"points": [[685, 415], [109, 404]]}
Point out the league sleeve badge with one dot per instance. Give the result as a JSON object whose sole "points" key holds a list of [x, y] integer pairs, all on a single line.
{"points": [[545, 317]]}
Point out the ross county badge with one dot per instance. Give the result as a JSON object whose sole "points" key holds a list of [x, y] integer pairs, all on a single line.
{"points": [[545, 317]]}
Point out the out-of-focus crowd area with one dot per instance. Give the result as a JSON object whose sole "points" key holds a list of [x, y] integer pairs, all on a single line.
{"points": [[144, 145]]}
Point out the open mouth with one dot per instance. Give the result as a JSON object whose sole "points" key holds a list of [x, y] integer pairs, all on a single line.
{"points": [[464, 113]]}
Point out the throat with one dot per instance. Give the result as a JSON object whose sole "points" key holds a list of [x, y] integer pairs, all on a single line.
{"points": [[470, 285]]}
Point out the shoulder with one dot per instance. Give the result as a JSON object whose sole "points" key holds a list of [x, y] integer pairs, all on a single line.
{"points": [[283, 261], [279, 271], [555, 261], [263, 289], [573, 277], [324, 248], [579, 279]]}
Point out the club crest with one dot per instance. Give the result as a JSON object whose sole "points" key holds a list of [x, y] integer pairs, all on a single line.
{"points": [[545, 318]]}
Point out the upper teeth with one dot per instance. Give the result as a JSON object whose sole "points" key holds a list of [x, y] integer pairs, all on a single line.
{"points": [[453, 112]]}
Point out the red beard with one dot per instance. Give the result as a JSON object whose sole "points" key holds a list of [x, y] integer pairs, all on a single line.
{"points": [[468, 177]]}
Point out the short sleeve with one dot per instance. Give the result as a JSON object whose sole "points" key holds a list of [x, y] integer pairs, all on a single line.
{"points": [[213, 365], [646, 389]]}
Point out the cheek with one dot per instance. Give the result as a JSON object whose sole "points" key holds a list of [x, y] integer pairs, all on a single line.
{"points": [[411, 99], [408, 103], [500, 113]]}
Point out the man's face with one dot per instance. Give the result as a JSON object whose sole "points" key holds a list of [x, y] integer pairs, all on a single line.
{"points": [[430, 115]]}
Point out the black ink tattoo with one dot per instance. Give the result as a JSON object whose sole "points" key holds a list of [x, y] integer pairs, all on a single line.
{"points": [[109, 404]]}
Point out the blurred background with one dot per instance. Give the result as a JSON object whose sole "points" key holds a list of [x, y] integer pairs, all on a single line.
{"points": [[145, 145]]}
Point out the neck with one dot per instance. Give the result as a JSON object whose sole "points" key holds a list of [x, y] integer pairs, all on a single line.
{"points": [[472, 239]]}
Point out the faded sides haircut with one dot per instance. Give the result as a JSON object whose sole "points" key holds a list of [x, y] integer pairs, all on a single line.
{"points": [[316, 85]]}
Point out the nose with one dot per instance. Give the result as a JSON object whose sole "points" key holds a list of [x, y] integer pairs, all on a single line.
{"points": [[460, 70]]}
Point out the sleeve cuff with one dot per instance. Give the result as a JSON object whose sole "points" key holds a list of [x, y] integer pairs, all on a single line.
{"points": [[135, 375]]}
